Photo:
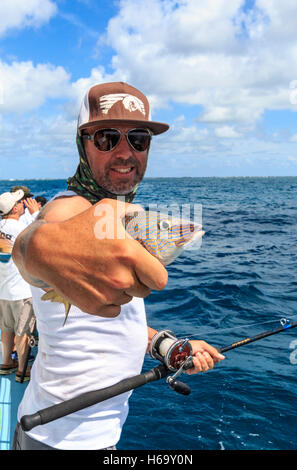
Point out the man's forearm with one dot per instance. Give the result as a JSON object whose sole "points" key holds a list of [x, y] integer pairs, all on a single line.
{"points": [[96, 274], [150, 333]]}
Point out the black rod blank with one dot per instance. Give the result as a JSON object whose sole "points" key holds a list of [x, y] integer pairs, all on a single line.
{"points": [[87, 399]]}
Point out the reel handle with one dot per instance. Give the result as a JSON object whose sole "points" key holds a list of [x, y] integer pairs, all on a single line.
{"points": [[179, 387]]}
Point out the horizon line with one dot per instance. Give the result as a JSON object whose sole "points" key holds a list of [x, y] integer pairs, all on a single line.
{"points": [[155, 177]]}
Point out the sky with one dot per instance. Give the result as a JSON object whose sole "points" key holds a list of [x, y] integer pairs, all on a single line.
{"points": [[221, 73]]}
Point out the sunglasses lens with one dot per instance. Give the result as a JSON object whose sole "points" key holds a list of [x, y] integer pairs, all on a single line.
{"points": [[106, 139], [139, 139]]}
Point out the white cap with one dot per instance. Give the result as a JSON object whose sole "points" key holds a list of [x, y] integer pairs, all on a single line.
{"points": [[8, 200]]}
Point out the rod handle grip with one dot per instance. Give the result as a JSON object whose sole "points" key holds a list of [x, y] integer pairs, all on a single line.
{"points": [[29, 422]]}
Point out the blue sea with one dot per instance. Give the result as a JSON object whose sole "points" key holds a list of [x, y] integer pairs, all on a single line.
{"points": [[242, 281]]}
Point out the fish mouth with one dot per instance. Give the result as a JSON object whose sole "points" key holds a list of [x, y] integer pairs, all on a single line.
{"points": [[188, 234]]}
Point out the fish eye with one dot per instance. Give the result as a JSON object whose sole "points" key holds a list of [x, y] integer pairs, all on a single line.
{"points": [[164, 224]]}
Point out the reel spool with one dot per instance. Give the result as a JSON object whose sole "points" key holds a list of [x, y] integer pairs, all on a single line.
{"points": [[171, 351], [176, 354]]}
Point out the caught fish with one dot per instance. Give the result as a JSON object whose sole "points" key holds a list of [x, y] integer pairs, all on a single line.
{"points": [[164, 236]]}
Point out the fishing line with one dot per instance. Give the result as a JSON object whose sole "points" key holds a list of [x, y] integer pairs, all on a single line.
{"points": [[282, 321]]}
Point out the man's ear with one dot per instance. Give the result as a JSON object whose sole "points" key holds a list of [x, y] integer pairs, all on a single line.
{"points": [[14, 209]]}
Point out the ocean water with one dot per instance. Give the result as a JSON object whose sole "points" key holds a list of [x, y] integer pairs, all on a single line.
{"points": [[242, 281]]}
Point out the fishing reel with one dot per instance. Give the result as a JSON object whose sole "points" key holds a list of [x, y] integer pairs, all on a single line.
{"points": [[175, 354]]}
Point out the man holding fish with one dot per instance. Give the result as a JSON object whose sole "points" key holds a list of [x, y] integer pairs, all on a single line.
{"points": [[100, 279]]}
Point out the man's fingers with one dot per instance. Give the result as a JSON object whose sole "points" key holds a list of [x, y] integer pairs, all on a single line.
{"points": [[202, 362], [110, 296], [138, 290], [199, 364], [150, 271], [205, 357], [196, 367], [122, 299], [214, 353], [108, 311], [209, 360]]}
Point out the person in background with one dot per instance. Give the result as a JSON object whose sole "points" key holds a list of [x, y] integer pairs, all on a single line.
{"points": [[31, 205], [16, 312], [106, 335], [41, 201], [25, 189]]}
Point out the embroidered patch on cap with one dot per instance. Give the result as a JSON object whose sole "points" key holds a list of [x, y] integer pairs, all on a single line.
{"points": [[130, 102]]}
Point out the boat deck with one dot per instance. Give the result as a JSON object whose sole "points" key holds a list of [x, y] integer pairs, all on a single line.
{"points": [[11, 393]]}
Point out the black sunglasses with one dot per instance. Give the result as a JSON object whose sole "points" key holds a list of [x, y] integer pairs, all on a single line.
{"points": [[106, 140]]}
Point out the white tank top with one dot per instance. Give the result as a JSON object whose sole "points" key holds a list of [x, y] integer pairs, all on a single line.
{"points": [[86, 354]]}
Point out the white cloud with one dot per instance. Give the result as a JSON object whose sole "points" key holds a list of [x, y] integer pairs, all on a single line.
{"points": [[211, 53], [23, 85], [26, 87], [213, 156], [48, 143], [81, 86], [226, 132], [22, 13], [183, 136], [281, 19], [232, 63], [235, 62]]}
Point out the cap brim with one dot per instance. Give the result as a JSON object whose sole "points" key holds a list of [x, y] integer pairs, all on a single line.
{"points": [[19, 194], [155, 127]]}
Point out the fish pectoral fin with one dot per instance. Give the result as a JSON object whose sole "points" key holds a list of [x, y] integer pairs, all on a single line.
{"points": [[54, 297], [67, 306]]}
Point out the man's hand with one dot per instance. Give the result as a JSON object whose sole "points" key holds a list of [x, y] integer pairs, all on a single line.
{"points": [[32, 205], [204, 357], [88, 259]]}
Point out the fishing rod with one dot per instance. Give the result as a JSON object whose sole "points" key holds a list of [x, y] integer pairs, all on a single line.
{"points": [[285, 325], [175, 356]]}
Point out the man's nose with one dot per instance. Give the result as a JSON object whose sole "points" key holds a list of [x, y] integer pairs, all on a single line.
{"points": [[123, 149]]}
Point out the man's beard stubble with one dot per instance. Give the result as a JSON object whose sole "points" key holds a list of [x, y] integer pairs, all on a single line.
{"points": [[124, 187]]}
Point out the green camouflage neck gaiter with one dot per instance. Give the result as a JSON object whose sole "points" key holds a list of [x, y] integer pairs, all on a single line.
{"points": [[83, 183]]}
